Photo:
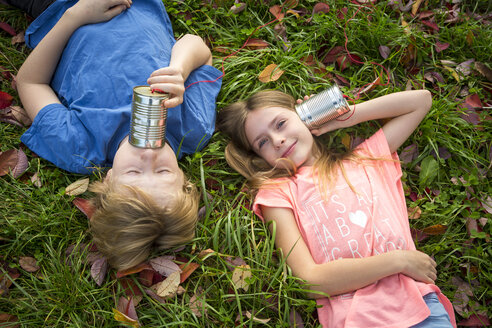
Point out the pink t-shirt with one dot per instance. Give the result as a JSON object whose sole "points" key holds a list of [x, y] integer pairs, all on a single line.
{"points": [[353, 225]]}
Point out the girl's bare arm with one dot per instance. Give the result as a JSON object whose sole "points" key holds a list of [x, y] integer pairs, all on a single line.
{"points": [[343, 275], [406, 108]]}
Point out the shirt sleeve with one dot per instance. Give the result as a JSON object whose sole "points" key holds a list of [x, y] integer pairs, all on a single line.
{"points": [[191, 125], [275, 195]]}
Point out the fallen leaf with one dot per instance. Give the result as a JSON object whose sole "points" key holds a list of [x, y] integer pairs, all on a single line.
{"points": [[414, 212], [20, 115], [118, 316], [135, 269], [384, 51], [9, 319], [164, 266], [234, 262], [276, 11], [484, 70], [295, 319], [154, 296], [409, 154], [5, 100], [465, 67], [321, 7], [13, 161], [28, 263], [256, 44], [441, 46], [169, 286], [270, 73], [18, 38], [237, 8], [188, 269], [437, 229], [239, 276], [36, 180], [99, 269], [126, 306], [469, 38], [197, 304], [85, 206], [77, 188], [205, 253], [415, 6], [475, 320]]}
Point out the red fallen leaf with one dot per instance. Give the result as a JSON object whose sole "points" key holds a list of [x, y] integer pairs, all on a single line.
{"points": [[99, 269], [28, 263], [132, 270], [129, 287], [473, 101], [384, 51], [164, 266], [354, 59], [418, 235], [5, 99], [146, 277], [277, 12], [441, 46], [437, 229], [234, 262], [332, 54], [9, 319], [342, 13], [341, 80], [256, 44], [321, 7], [475, 320], [431, 24], [85, 206], [343, 62], [470, 116], [309, 60], [7, 28], [14, 161], [127, 307], [426, 14], [187, 270]]}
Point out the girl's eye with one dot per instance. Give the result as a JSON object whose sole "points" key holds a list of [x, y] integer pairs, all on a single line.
{"points": [[163, 171], [261, 142], [280, 123], [132, 172]]}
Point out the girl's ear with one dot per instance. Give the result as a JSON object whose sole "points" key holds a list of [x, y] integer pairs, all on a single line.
{"points": [[108, 175]]}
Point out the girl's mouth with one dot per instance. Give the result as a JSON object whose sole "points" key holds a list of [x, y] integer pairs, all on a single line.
{"points": [[289, 150]]}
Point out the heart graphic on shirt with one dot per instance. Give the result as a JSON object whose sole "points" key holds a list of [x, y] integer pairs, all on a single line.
{"points": [[359, 218]]}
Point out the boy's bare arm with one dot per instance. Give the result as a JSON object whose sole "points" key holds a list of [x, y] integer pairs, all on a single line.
{"points": [[189, 53], [343, 275], [34, 77]]}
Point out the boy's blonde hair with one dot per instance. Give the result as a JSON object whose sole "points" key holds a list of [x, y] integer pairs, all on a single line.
{"points": [[241, 157], [127, 224]]}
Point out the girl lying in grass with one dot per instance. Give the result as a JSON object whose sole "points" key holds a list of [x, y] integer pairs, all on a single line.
{"points": [[340, 219]]}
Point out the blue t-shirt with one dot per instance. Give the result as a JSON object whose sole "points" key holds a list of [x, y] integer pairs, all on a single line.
{"points": [[94, 81]]}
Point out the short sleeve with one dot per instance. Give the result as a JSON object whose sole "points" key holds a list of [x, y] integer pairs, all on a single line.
{"points": [[276, 195], [191, 125]]}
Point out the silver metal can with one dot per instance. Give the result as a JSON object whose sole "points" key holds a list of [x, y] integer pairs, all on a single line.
{"points": [[148, 120], [322, 107]]}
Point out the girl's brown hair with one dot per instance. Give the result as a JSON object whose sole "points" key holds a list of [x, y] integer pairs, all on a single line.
{"points": [[241, 157], [128, 224]]}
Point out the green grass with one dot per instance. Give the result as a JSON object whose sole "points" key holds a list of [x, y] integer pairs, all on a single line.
{"points": [[43, 222]]}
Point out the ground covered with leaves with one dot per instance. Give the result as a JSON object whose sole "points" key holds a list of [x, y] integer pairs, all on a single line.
{"points": [[231, 274]]}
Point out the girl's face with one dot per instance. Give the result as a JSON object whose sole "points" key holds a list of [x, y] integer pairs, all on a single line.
{"points": [[275, 133]]}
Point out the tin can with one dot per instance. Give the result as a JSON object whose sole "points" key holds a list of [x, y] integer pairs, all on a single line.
{"points": [[148, 120], [323, 107]]}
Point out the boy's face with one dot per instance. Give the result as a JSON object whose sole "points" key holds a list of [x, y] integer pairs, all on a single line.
{"points": [[155, 171], [275, 133]]}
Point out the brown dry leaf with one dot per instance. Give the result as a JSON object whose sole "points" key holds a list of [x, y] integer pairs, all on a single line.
{"points": [[36, 180], [270, 73], [13, 161], [484, 70], [469, 38], [28, 263], [197, 304], [11, 320], [414, 212], [20, 115], [239, 276], [77, 188], [188, 269], [164, 266], [205, 253], [437, 229], [18, 38], [169, 286], [134, 269], [415, 7], [118, 316]]}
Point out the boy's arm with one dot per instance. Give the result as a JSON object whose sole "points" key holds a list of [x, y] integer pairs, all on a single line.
{"points": [[34, 77], [407, 109], [343, 275], [188, 53]]}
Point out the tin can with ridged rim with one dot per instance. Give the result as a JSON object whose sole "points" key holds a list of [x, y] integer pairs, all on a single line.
{"points": [[322, 107], [148, 119]]}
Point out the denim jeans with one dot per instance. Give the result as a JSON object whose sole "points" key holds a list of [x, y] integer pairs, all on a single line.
{"points": [[438, 318]]}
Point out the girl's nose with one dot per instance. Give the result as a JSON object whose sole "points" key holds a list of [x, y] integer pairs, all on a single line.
{"points": [[278, 140]]}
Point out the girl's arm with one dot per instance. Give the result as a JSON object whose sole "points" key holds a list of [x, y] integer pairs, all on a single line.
{"points": [[188, 53], [407, 109], [34, 77], [343, 275]]}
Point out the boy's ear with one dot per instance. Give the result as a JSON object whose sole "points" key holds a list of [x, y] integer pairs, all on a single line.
{"points": [[108, 175]]}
